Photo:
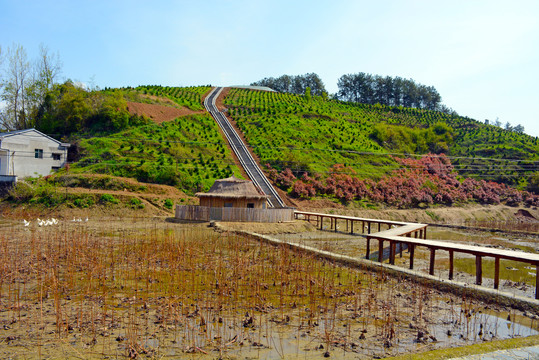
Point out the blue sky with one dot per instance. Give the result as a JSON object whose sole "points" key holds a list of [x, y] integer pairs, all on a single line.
{"points": [[481, 56]]}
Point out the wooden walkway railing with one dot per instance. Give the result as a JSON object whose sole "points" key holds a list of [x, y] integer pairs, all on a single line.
{"points": [[400, 233], [367, 225]]}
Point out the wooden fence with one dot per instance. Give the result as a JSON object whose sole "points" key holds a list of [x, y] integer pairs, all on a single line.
{"points": [[204, 213]]}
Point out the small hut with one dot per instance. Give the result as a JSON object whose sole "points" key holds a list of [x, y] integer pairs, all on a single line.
{"points": [[233, 199], [233, 193]]}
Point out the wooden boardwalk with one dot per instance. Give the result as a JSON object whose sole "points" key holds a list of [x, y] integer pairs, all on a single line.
{"points": [[367, 225], [413, 235]]}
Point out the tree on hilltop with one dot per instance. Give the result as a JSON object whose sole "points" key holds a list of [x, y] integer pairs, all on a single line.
{"points": [[294, 84], [375, 89]]}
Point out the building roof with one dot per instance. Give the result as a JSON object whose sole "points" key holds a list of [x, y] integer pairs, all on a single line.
{"points": [[20, 132], [233, 187]]}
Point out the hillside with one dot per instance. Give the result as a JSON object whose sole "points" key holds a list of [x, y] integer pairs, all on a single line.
{"points": [[311, 147], [403, 157], [288, 130], [179, 145]]}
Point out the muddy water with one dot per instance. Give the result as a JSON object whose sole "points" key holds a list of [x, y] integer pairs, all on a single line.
{"points": [[524, 242], [516, 278], [456, 326], [348, 314]]}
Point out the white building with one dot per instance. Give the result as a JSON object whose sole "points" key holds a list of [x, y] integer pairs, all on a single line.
{"points": [[29, 153]]}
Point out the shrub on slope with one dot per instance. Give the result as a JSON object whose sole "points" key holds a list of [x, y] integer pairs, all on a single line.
{"points": [[187, 152], [425, 181]]}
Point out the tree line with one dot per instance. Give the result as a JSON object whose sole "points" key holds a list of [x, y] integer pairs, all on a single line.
{"points": [[518, 128], [24, 84], [299, 84], [362, 88], [70, 108], [386, 90], [32, 96]]}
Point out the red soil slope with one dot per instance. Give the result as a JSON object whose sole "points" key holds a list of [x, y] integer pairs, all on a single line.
{"points": [[159, 113]]}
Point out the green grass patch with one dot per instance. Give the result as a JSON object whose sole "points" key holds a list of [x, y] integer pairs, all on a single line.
{"points": [[108, 199], [432, 215], [83, 201], [136, 203], [168, 203]]}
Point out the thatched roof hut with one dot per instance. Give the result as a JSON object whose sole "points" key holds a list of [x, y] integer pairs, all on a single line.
{"points": [[233, 192]]}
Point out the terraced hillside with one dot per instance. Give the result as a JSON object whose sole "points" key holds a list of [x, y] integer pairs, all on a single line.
{"points": [[190, 97], [311, 134], [187, 152], [314, 146]]}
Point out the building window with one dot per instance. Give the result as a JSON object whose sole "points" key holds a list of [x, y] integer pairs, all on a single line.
{"points": [[39, 153], [56, 156], [250, 205], [229, 205]]}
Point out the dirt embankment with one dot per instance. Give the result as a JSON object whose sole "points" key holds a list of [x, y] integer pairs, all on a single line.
{"points": [[80, 195], [454, 215], [161, 109], [159, 113], [220, 101]]}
